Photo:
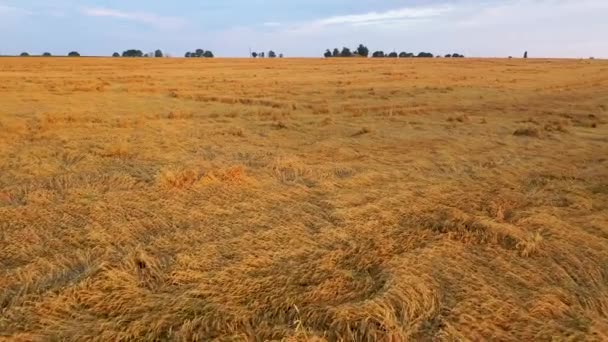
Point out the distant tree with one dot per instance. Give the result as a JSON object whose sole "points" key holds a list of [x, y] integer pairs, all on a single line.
{"points": [[448, 56], [199, 52], [254, 54], [133, 53], [346, 52], [208, 54], [336, 53], [362, 50], [115, 54], [425, 55], [46, 54], [272, 54], [24, 54], [262, 55], [158, 53], [188, 54], [378, 54], [327, 53], [402, 54], [455, 55], [73, 54], [526, 54], [280, 55], [147, 55], [393, 55]]}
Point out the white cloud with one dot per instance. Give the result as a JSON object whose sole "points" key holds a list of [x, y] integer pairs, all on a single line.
{"points": [[163, 22], [399, 16], [407, 13]]}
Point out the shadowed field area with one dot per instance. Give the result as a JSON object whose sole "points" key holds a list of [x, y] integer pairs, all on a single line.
{"points": [[355, 200]]}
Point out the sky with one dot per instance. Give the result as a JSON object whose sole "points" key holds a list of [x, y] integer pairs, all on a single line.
{"points": [[306, 28]]}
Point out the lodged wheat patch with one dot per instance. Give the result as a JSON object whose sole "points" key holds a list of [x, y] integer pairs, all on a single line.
{"points": [[286, 200]]}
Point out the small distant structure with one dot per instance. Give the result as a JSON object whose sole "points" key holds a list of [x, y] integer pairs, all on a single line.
{"points": [[526, 54]]}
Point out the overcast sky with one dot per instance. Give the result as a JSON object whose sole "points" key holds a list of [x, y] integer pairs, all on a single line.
{"points": [[546, 28]]}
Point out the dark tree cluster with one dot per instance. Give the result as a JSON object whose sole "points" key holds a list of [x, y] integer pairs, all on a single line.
{"points": [[133, 53], [199, 53], [454, 55], [363, 51], [73, 54], [360, 51], [271, 54], [381, 54], [425, 55]]}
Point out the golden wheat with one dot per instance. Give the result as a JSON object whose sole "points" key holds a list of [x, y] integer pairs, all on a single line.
{"points": [[363, 200]]}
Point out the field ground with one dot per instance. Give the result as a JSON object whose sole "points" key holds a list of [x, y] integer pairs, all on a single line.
{"points": [[364, 200]]}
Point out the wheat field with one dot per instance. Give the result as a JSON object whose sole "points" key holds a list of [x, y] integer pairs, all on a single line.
{"points": [[303, 199]]}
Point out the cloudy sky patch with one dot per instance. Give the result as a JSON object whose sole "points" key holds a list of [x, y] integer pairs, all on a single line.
{"points": [[547, 28]]}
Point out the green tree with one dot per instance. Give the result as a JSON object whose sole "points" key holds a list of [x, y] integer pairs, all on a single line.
{"points": [[262, 54], [24, 54], [362, 50], [346, 52], [393, 55], [378, 54], [526, 54], [199, 52], [46, 54], [158, 53], [254, 54], [327, 53], [73, 54], [425, 55], [272, 54], [336, 53], [208, 54], [115, 54], [133, 53]]}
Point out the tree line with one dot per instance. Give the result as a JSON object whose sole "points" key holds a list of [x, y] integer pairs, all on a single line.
{"points": [[200, 53], [48, 54], [360, 51], [363, 51]]}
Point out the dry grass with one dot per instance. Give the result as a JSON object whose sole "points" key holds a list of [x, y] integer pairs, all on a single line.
{"points": [[302, 200]]}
